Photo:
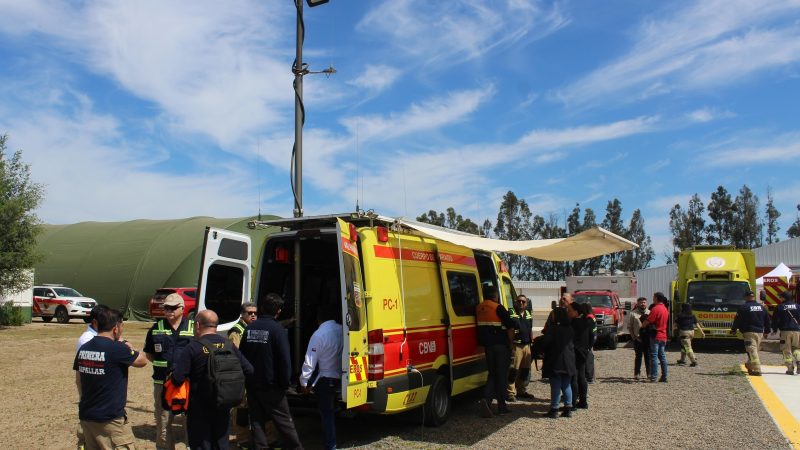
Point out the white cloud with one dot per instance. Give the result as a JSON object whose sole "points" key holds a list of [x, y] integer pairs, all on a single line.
{"points": [[704, 45], [459, 30], [544, 139], [704, 115], [764, 150], [594, 164], [426, 116], [204, 64], [376, 78], [656, 166]]}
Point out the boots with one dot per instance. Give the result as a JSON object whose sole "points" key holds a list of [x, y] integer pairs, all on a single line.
{"points": [[552, 414], [566, 412]]}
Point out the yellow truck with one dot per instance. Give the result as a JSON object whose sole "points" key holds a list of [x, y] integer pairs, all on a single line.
{"points": [[406, 293], [713, 279]]}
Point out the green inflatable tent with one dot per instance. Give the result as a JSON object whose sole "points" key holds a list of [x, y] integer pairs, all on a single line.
{"points": [[121, 264]]}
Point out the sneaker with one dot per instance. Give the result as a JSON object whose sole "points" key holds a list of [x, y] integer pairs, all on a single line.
{"points": [[583, 405], [483, 409], [694, 364], [790, 371], [754, 373], [567, 412], [553, 414], [636, 376], [511, 398], [681, 362], [526, 396], [652, 379], [662, 380]]}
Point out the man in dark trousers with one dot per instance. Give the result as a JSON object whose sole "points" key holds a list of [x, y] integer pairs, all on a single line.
{"points": [[752, 319], [522, 349], [787, 319], [102, 368], [266, 345], [207, 425], [495, 334]]}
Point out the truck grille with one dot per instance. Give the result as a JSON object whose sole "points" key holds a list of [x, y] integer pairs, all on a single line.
{"points": [[716, 324]]}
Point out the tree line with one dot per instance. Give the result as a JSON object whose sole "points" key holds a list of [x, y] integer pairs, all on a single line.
{"points": [[726, 220], [516, 222]]}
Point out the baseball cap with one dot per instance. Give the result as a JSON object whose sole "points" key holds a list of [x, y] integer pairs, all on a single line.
{"points": [[173, 300]]}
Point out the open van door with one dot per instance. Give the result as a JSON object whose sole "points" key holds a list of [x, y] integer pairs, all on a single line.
{"points": [[462, 293], [354, 317], [225, 274]]}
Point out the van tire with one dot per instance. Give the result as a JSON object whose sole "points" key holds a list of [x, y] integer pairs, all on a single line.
{"points": [[47, 318], [612, 341], [437, 405], [61, 315]]}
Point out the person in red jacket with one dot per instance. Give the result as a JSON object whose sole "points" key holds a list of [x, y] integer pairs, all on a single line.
{"points": [[658, 319]]}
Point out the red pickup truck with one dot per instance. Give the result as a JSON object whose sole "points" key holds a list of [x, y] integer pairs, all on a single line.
{"points": [[608, 313]]}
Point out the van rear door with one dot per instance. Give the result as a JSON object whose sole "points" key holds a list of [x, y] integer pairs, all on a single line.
{"points": [[225, 274], [354, 317], [461, 279]]}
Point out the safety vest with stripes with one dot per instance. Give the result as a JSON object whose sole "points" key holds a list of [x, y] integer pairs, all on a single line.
{"points": [[166, 346], [526, 316]]}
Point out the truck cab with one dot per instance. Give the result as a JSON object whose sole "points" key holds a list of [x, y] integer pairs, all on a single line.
{"points": [[608, 314]]}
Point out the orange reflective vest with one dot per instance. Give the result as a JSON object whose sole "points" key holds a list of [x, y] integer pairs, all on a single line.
{"points": [[490, 327]]}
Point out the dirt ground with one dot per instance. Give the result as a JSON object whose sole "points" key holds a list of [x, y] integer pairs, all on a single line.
{"points": [[39, 408]]}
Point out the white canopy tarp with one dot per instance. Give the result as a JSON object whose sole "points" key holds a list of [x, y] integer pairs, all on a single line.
{"points": [[782, 270], [587, 244]]}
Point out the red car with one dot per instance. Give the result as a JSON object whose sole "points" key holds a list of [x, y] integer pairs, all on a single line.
{"points": [[156, 307]]}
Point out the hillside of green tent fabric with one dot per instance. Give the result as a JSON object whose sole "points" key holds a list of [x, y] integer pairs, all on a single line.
{"points": [[121, 264]]}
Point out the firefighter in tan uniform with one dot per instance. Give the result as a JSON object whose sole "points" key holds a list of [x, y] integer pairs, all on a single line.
{"points": [[787, 320], [240, 420], [495, 333], [753, 321]]}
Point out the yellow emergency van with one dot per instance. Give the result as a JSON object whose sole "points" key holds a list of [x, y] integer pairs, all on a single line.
{"points": [[407, 301]]}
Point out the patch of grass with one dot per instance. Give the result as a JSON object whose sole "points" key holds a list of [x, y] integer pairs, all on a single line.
{"points": [[736, 370]]}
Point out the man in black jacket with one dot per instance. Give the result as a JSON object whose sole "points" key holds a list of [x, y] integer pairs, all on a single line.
{"points": [[207, 425], [266, 345], [752, 319]]}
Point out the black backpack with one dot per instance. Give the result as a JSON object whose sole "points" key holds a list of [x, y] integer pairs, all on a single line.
{"points": [[224, 374]]}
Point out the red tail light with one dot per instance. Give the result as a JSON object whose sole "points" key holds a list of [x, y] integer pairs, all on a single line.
{"points": [[281, 255], [383, 234], [375, 355]]}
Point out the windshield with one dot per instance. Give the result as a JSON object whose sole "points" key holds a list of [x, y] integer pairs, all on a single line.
{"points": [[595, 300], [717, 292], [67, 292]]}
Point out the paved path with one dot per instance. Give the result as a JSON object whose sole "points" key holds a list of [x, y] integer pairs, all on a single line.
{"points": [[780, 394]]}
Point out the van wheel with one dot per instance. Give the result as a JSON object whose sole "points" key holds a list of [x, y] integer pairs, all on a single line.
{"points": [[612, 341], [61, 315], [47, 318], [437, 405]]}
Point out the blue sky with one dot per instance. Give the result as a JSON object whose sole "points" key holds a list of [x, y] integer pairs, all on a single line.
{"points": [[156, 109]]}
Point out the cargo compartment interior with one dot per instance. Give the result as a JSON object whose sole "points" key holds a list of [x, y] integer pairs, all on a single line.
{"points": [[320, 284]]}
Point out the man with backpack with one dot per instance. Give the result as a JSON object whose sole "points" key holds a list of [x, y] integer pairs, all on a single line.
{"points": [[216, 372]]}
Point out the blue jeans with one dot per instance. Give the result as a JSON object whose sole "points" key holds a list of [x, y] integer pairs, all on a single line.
{"points": [[558, 384], [325, 390], [658, 356]]}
